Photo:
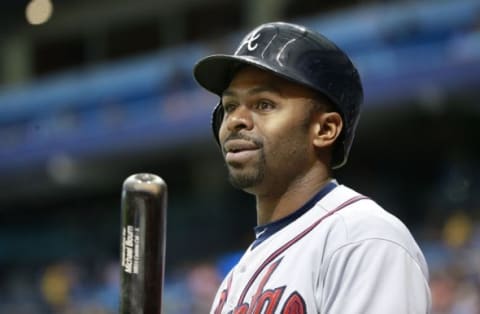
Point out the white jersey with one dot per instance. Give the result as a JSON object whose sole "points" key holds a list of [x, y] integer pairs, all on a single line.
{"points": [[344, 255]]}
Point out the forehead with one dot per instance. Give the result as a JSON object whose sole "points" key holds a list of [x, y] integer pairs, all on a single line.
{"points": [[249, 77]]}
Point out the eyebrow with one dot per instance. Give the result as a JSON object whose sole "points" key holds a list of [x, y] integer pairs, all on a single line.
{"points": [[254, 90]]}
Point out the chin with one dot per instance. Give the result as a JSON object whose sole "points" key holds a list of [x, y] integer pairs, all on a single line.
{"points": [[244, 180]]}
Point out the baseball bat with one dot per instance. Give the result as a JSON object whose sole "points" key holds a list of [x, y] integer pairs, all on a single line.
{"points": [[143, 238]]}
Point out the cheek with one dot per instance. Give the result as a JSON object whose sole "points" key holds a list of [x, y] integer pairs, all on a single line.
{"points": [[222, 134], [287, 143], [291, 126]]}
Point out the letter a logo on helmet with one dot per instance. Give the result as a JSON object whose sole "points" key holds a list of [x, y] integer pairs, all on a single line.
{"points": [[297, 54], [250, 42]]}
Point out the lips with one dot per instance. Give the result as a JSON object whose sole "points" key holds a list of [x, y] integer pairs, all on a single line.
{"points": [[239, 150], [235, 146]]}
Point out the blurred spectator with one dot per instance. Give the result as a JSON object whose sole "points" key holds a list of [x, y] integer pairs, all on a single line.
{"points": [[57, 284], [202, 281], [443, 287], [455, 284]]}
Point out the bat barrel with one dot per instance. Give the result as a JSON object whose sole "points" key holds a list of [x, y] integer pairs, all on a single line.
{"points": [[144, 204]]}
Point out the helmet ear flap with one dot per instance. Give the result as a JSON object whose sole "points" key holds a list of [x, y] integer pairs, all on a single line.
{"points": [[217, 118]]}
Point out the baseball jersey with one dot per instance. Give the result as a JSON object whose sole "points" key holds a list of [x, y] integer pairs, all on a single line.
{"points": [[340, 253]]}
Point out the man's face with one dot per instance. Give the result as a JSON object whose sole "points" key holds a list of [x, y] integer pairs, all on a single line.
{"points": [[266, 131]]}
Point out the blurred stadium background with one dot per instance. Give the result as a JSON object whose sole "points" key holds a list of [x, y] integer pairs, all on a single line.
{"points": [[93, 91]]}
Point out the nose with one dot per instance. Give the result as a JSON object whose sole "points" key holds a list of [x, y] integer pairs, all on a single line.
{"points": [[238, 119]]}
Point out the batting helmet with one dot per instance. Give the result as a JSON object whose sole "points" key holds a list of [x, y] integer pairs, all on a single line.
{"points": [[299, 55]]}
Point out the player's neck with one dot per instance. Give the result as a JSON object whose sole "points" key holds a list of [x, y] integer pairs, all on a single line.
{"points": [[274, 206]]}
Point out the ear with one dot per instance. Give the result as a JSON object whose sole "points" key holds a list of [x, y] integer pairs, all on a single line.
{"points": [[327, 127]]}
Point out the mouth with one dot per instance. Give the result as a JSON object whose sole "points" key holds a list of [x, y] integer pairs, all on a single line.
{"points": [[239, 151], [239, 145]]}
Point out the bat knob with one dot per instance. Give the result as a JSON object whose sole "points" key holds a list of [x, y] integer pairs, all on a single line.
{"points": [[145, 182]]}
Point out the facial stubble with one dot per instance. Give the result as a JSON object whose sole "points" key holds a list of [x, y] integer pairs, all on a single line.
{"points": [[244, 179]]}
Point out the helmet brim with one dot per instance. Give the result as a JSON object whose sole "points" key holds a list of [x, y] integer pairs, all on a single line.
{"points": [[215, 72]]}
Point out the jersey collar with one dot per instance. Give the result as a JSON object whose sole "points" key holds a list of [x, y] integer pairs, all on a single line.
{"points": [[263, 232]]}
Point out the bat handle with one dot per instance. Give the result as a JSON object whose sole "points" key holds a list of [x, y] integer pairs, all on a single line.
{"points": [[143, 244]]}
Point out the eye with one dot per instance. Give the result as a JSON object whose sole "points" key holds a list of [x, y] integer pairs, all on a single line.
{"points": [[264, 105], [229, 107]]}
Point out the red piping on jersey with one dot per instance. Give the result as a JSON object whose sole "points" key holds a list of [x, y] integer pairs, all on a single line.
{"points": [[284, 247]]}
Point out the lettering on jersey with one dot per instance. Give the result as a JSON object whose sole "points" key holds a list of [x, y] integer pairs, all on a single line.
{"points": [[223, 297], [295, 305], [264, 301]]}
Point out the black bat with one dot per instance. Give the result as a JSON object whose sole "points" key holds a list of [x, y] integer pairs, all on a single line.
{"points": [[144, 214]]}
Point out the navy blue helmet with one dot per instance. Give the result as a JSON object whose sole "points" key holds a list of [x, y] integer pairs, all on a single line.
{"points": [[299, 55]]}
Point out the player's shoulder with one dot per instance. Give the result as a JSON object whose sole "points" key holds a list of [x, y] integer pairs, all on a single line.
{"points": [[364, 220]]}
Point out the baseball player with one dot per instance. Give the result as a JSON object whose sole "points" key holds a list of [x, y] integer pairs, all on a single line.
{"points": [[289, 105]]}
